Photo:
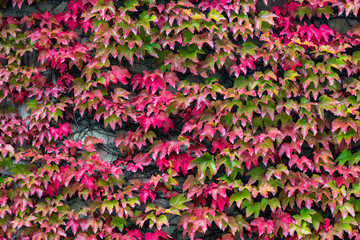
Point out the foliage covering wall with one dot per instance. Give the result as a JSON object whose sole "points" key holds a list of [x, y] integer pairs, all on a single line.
{"points": [[224, 120]]}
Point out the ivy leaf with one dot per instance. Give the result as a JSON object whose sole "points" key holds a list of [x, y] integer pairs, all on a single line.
{"points": [[18, 169], [347, 208], [251, 208], [178, 202], [31, 104], [89, 182], [7, 149], [161, 220], [321, 34], [145, 192], [263, 225], [74, 226], [264, 20], [283, 220], [206, 166], [118, 222], [181, 161], [274, 203], [156, 235], [150, 47], [215, 15], [345, 156], [316, 220], [20, 97], [90, 141], [140, 160], [280, 168], [238, 197], [131, 4], [120, 74], [112, 120]]}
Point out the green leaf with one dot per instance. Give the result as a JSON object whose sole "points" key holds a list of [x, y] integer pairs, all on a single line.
{"points": [[347, 208], [291, 75], [161, 220], [125, 51], [132, 201], [187, 35], [112, 120], [118, 222], [356, 57], [227, 120], [145, 17], [238, 197], [215, 15], [344, 224], [109, 205], [2, 179], [19, 169], [264, 20], [131, 4], [304, 216], [316, 220], [272, 202], [255, 172], [240, 82], [325, 10], [344, 157], [58, 113], [251, 208], [248, 109], [206, 166], [31, 104], [247, 48], [6, 162], [190, 52], [302, 11], [150, 47], [178, 202], [95, 205]]}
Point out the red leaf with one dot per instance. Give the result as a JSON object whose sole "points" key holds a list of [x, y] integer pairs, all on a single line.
{"points": [[152, 81], [262, 225], [20, 97], [288, 148], [170, 78], [235, 132], [146, 192], [218, 144], [156, 120], [140, 160], [85, 24], [120, 74], [326, 224], [181, 161], [220, 202], [74, 5], [73, 224], [157, 235], [283, 220], [162, 163], [311, 32], [89, 182]]}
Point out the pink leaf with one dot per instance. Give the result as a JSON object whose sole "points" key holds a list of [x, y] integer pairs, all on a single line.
{"points": [[145, 192], [120, 74]]}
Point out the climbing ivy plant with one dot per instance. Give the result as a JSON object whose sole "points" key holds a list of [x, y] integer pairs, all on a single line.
{"points": [[228, 120]]}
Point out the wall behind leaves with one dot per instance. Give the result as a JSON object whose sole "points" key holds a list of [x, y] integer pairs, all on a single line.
{"points": [[189, 119]]}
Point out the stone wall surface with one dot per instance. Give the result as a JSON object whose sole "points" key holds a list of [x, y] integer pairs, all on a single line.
{"points": [[51, 6]]}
